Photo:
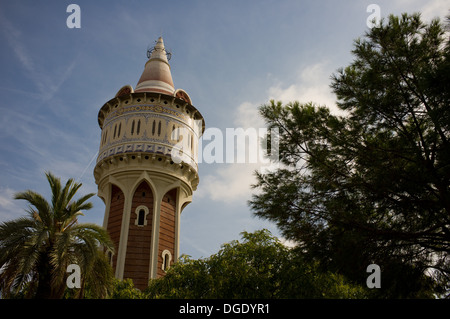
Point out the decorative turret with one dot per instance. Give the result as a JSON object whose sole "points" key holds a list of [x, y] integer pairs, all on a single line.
{"points": [[143, 187]]}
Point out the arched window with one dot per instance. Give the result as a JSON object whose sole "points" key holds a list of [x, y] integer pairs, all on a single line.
{"points": [[153, 127], [159, 128], [166, 259], [138, 127], [132, 128], [141, 216]]}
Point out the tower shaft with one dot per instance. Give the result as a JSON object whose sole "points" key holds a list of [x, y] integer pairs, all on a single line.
{"points": [[143, 186]]}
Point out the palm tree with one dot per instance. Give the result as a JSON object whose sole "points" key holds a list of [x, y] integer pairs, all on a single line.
{"points": [[36, 250]]}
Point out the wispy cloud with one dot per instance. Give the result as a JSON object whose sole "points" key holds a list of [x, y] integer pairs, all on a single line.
{"points": [[429, 9], [9, 207], [6, 195], [435, 9], [46, 84]]}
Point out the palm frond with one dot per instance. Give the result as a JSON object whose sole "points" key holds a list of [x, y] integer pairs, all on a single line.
{"points": [[36, 250], [41, 205]]}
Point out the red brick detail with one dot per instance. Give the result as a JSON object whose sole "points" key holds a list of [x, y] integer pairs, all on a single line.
{"points": [[167, 228], [137, 260], [114, 222]]}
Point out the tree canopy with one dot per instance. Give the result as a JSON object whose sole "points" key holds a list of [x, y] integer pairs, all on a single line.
{"points": [[259, 266], [372, 186], [36, 250]]}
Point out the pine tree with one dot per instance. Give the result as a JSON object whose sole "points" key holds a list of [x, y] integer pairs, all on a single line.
{"points": [[372, 186]]}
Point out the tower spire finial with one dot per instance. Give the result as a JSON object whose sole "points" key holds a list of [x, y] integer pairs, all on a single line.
{"points": [[156, 76]]}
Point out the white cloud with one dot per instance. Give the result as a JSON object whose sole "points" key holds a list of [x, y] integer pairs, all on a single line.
{"points": [[231, 182], [247, 116], [9, 207], [429, 9], [312, 85]]}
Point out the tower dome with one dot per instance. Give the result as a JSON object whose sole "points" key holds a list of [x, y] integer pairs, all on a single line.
{"points": [[156, 76], [143, 186]]}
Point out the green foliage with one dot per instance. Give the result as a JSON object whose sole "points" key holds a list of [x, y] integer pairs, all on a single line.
{"points": [[97, 282], [372, 186], [36, 250], [124, 289], [187, 279], [258, 267]]}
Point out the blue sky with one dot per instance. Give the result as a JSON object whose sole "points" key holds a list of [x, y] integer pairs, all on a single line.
{"points": [[230, 56]]}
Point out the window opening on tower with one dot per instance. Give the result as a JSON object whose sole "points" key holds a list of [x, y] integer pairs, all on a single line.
{"points": [[141, 217]]}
